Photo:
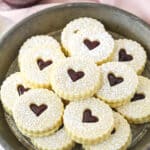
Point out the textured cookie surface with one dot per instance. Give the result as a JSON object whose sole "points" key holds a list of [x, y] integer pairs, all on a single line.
{"points": [[38, 112], [78, 25], [36, 58], [57, 141], [93, 45], [88, 121], [119, 139], [119, 83], [130, 53], [75, 78], [11, 89], [138, 110]]}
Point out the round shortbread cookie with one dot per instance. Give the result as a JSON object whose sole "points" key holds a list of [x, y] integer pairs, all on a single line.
{"points": [[119, 83], [36, 58], [57, 141], [88, 121], [42, 41], [11, 89], [77, 25], [138, 110], [119, 139], [130, 53], [38, 112], [92, 45], [74, 78]]}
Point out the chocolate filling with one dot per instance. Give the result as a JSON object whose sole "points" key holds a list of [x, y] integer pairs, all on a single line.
{"points": [[75, 75], [88, 117], [113, 80], [113, 131], [123, 56], [21, 89], [91, 44], [43, 64], [38, 110], [138, 96]]}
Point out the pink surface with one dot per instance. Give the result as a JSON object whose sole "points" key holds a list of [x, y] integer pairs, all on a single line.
{"points": [[137, 7]]}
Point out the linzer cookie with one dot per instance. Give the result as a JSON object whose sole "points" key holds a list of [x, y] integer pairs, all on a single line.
{"points": [[76, 26], [138, 110], [12, 88], [97, 46], [119, 139], [59, 140], [130, 53], [38, 112], [88, 121], [74, 78], [119, 83], [36, 58]]}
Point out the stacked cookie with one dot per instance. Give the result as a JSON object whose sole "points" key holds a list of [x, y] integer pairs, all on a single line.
{"points": [[81, 92]]}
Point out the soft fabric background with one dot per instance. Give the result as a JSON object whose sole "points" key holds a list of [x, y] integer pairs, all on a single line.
{"points": [[140, 8]]}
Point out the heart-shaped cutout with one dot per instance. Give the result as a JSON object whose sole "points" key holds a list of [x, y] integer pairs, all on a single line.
{"points": [[113, 80], [75, 75], [38, 110], [88, 117], [123, 56], [138, 96], [91, 44], [21, 89], [42, 64], [113, 131]]}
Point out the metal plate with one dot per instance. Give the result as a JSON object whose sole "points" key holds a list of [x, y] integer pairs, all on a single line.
{"points": [[138, 131], [54, 19]]}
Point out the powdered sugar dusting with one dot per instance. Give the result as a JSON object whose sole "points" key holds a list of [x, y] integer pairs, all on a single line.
{"points": [[102, 52], [9, 92], [58, 140], [117, 140], [140, 109], [26, 118], [119, 92], [74, 113], [39, 47], [79, 25], [60, 79], [135, 50]]}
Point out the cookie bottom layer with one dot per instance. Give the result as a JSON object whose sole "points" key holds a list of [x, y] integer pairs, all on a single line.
{"points": [[91, 141], [136, 120], [118, 103], [39, 133], [100, 62], [69, 146], [124, 147]]}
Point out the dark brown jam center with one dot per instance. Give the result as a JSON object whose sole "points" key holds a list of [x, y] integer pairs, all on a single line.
{"points": [[113, 80], [75, 75], [43, 64], [21, 89], [38, 110], [91, 44], [123, 56], [88, 117], [138, 96]]}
